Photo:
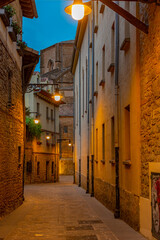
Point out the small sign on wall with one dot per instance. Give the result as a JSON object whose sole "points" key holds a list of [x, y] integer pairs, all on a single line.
{"points": [[155, 203]]}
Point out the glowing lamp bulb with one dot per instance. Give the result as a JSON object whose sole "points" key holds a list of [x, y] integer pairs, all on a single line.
{"points": [[77, 11], [36, 121], [69, 144], [47, 137], [57, 98]]}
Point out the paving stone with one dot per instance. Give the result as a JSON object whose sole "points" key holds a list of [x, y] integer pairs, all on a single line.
{"points": [[89, 221], [79, 228], [91, 237]]}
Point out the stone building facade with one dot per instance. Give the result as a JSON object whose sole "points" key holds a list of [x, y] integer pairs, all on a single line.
{"points": [[12, 87], [42, 155], [123, 117], [55, 65], [150, 121]]}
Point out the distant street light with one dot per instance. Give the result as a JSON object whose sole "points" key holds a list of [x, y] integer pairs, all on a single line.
{"points": [[78, 10], [70, 144], [48, 137], [57, 97], [36, 121]]}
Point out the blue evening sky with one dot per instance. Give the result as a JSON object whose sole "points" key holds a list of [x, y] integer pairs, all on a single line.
{"points": [[52, 25]]}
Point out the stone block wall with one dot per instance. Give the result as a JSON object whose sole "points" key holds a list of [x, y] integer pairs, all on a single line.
{"points": [[150, 93], [129, 208], [12, 133], [105, 193], [66, 166]]}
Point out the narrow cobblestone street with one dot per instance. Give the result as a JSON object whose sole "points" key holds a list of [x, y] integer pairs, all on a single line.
{"points": [[63, 211]]}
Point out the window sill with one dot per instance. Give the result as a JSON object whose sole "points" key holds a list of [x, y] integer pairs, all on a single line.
{"points": [[95, 93], [102, 83], [12, 34], [125, 44], [90, 45], [96, 29], [103, 161], [102, 8], [112, 162], [127, 163], [111, 68]]}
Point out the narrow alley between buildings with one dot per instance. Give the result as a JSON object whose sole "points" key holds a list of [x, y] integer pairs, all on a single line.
{"points": [[63, 211]]}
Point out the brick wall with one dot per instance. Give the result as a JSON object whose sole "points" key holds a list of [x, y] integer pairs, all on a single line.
{"points": [[11, 137], [150, 94]]}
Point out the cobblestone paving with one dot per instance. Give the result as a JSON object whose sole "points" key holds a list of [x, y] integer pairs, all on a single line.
{"points": [[63, 212]]}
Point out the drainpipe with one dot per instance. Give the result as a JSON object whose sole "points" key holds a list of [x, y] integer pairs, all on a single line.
{"points": [[117, 209], [87, 191], [80, 116], [92, 160], [74, 124]]}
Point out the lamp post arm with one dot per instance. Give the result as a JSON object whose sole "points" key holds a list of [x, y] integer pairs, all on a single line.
{"points": [[125, 14]]}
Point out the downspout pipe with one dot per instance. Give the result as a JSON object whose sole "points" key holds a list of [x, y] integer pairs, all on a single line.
{"points": [[80, 117], [117, 208], [74, 127], [92, 160], [88, 83]]}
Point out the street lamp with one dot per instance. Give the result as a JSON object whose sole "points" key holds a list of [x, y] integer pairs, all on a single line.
{"points": [[57, 97], [48, 137], [78, 9], [36, 121], [70, 144]]}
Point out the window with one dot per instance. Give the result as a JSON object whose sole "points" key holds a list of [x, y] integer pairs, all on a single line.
{"points": [[97, 144], [127, 24], [10, 88], [65, 129], [77, 108], [103, 63], [83, 93], [47, 113], [86, 83], [52, 115], [38, 108], [112, 139], [96, 18], [112, 43], [52, 139], [52, 168], [19, 154], [38, 168], [127, 133], [97, 76], [103, 142], [29, 167]]}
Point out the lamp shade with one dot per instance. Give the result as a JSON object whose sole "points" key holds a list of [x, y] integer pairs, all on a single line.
{"points": [[78, 9]]}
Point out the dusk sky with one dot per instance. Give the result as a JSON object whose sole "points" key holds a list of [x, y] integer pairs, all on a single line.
{"points": [[52, 25]]}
